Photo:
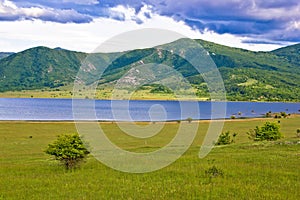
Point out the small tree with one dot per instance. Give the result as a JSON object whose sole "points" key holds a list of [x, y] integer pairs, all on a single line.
{"points": [[269, 131], [298, 132], [212, 173], [225, 138], [268, 114], [283, 114], [189, 119], [68, 149]]}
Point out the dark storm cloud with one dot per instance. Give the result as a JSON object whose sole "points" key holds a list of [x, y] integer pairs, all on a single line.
{"points": [[276, 20]]}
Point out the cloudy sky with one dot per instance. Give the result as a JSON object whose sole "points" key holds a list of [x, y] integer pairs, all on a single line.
{"points": [[83, 24]]}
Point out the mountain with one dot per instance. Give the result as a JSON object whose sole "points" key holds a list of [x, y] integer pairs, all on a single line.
{"points": [[291, 53], [39, 67], [5, 54], [247, 75]]}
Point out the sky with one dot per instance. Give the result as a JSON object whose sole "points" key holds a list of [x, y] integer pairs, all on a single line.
{"points": [[81, 25]]}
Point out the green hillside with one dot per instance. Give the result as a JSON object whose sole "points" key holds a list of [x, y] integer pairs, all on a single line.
{"points": [[290, 53], [39, 67], [266, 76], [250, 75]]}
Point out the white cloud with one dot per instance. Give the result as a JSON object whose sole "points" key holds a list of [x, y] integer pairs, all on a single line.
{"points": [[10, 12], [82, 2], [128, 12], [295, 25], [9, 4]]}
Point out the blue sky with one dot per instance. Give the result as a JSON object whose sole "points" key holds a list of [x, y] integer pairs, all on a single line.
{"points": [[83, 24]]}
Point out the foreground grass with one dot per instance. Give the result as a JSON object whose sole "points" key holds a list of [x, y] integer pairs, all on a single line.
{"points": [[252, 170]]}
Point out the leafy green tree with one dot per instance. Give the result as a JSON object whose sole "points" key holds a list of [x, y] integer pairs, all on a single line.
{"points": [[161, 89], [298, 132], [189, 119], [283, 114], [269, 131], [68, 149], [269, 114], [225, 138]]}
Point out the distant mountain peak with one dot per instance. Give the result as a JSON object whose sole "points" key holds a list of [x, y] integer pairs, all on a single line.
{"points": [[59, 48]]}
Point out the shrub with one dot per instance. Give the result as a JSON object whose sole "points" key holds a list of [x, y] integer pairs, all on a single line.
{"points": [[189, 119], [68, 149], [268, 114], [283, 114], [277, 116], [225, 138], [298, 132], [213, 172], [269, 131]]}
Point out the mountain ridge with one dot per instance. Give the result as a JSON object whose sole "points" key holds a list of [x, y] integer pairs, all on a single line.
{"points": [[247, 75]]}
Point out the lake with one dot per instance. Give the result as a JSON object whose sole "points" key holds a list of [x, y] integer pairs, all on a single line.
{"points": [[61, 109]]}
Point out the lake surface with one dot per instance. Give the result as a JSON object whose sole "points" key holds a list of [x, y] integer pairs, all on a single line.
{"points": [[62, 109]]}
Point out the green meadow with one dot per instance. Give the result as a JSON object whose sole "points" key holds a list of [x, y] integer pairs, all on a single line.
{"points": [[101, 93], [251, 170]]}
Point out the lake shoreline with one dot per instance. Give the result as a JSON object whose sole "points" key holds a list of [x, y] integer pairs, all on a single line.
{"points": [[146, 122]]}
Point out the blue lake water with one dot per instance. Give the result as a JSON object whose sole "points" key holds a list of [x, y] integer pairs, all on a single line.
{"points": [[61, 109]]}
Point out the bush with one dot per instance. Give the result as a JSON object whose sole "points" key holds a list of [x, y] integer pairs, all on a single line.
{"points": [[268, 114], [213, 172], [283, 114], [189, 119], [68, 149], [225, 138], [269, 131], [298, 133]]}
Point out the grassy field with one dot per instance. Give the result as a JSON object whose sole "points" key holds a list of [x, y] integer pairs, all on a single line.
{"points": [[252, 170], [105, 92]]}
